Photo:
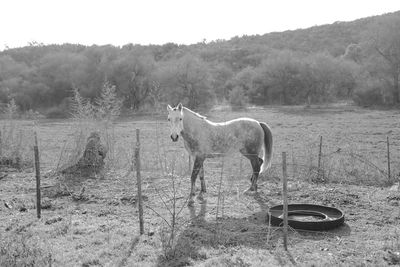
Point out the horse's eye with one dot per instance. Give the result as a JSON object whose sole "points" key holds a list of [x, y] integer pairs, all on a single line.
{"points": [[180, 119], [169, 119]]}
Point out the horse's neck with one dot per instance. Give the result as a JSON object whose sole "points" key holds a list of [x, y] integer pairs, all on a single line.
{"points": [[192, 122]]}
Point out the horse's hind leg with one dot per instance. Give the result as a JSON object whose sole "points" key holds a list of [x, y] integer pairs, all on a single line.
{"points": [[256, 163], [198, 165], [203, 184]]}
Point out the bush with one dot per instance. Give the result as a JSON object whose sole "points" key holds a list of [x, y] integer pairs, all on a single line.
{"points": [[108, 105], [57, 112], [32, 115], [91, 117], [237, 98], [12, 110], [290, 78], [370, 93]]}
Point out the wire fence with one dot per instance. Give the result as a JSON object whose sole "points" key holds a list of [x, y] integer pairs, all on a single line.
{"points": [[166, 168], [338, 162]]}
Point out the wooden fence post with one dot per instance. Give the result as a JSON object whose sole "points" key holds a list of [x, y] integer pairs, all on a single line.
{"points": [[1, 145], [240, 168], [319, 158], [37, 168], [388, 158], [294, 166], [285, 201], [139, 181], [190, 163]]}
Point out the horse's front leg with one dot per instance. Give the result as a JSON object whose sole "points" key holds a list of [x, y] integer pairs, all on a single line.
{"points": [[203, 184], [198, 165]]}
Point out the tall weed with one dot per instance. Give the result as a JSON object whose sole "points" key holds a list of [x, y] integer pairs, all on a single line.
{"points": [[98, 116], [15, 144]]}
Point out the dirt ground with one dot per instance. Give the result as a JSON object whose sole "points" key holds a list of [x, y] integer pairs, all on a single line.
{"points": [[94, 222]]}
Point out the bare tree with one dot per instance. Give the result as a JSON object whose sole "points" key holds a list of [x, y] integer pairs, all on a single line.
{"points": [[387, 43], [132, 75], [193, 78]]}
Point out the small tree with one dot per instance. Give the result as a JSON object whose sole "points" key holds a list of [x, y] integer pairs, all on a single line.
{"points": [[189, 80], [82, 108], [387, 43], [132, 74], [353, 53], [108, 105], [11, 109], [237, 98]]}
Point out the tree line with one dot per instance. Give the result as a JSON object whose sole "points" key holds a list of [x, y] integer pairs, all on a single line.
{"points": [[357, 60]]}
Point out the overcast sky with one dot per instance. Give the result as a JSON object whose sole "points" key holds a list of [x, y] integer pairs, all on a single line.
{"points": [[119, 22]]}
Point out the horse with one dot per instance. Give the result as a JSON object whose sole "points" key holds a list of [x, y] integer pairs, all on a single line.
{"points": [[206, 139]]}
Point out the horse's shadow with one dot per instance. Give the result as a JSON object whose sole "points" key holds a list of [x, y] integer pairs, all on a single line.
{"points": [[252, 231], [205, 233]]}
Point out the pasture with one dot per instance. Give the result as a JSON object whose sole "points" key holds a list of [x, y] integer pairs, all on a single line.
{"points": [[94, 221]]}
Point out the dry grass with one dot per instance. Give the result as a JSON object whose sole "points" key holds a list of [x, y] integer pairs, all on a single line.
{"points": [[24, 248], [99, 226], [16, 141]]}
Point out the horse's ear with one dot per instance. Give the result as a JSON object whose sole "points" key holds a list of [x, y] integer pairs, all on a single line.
{"points": [[169, 108], [180, 106]]}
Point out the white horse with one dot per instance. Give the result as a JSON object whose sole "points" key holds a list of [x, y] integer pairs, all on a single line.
{"points": [[205, 139]]}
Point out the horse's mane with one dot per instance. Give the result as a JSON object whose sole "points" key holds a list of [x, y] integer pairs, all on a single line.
{"points": [[195, 113]]}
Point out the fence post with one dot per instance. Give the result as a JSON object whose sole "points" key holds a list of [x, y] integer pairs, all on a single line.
{"points": [[294, 167], [319, 158], [139, 181], [388, 158], [1, 145], [240, 168], [37, 168], [285, 201], [190, 163]]}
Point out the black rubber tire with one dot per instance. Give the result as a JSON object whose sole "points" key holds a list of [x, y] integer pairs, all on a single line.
{"points": [[329, 217]]}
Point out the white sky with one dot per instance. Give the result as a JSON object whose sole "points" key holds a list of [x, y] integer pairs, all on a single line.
{"points": [[119, 22]]}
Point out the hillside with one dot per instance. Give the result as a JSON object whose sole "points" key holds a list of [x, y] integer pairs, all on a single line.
{"points": [[333, 38], [278, 68]]}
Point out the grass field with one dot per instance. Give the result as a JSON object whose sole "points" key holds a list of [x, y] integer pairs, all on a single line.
{"points": [[96, 222]]}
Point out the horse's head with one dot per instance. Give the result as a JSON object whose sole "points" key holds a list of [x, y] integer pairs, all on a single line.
{"points": [[175, 119]]}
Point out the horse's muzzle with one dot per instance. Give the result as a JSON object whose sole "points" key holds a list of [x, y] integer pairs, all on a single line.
{"points": [[174, 137]]}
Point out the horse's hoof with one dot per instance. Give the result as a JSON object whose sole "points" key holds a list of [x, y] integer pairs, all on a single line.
{"points": [[200, 198]]}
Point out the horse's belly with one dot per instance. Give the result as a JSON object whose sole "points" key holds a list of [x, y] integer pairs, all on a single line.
{"points": [[221, 144]]}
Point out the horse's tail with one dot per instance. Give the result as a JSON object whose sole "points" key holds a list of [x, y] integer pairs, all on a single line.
{"points": [[267, 156]]}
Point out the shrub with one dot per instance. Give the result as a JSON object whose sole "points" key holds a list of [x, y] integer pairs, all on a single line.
{"points": [[237, 98], [81, 108], [57, 112], [108, 105], [32, 115], [89, 118], [11, 110], [370, 93]]}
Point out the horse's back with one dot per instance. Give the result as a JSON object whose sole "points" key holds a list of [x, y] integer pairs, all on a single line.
{"points": [[237, 134], [237, 121]]}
